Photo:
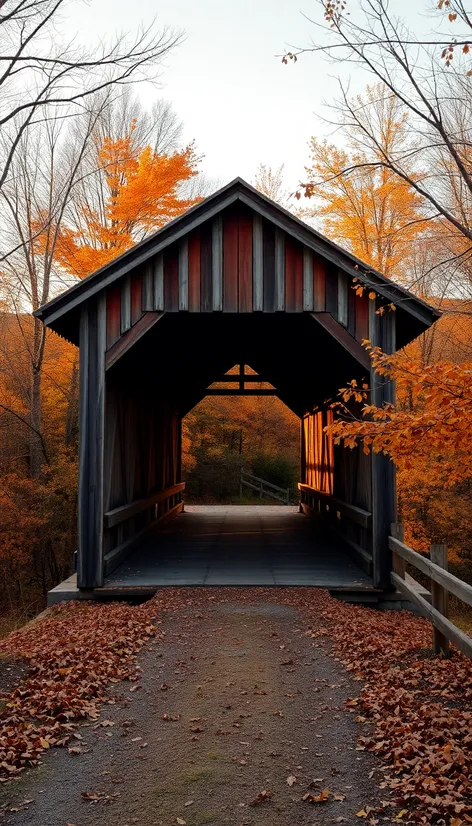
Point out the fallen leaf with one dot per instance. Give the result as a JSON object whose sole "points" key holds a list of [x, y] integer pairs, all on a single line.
{"points": [[291, 779], [261, 798], [322, 797]]}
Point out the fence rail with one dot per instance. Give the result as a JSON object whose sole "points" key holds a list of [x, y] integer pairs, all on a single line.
{"points": [[443, 583], [263, 487]]}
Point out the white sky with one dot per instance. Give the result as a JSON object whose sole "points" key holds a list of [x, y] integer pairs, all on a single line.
{"points": [[236, 99]]}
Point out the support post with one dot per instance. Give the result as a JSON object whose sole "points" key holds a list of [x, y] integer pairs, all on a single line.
{"points": [[382, 334], [439, 599], [91, 443], [398, 563]]}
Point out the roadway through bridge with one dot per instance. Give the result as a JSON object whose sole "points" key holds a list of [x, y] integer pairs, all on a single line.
{"points": [[240, 545]]}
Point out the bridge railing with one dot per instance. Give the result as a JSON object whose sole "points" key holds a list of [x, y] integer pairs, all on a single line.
{"points": [[351, 523], [263, 487], [443, 583], [132, 522]]}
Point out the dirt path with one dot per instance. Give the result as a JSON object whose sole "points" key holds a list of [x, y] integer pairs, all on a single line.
{"points": [[233, 701]]}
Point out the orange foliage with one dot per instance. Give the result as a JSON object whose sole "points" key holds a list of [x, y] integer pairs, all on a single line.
{"points": [[429, 437], [139, 193], [367, 208], [436, 427]]}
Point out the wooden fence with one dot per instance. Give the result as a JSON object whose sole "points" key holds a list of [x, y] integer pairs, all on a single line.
{"points": [[443, 583], [263, 487]]}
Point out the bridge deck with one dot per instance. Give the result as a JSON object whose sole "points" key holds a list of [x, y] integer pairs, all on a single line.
{"points": [[239, 545]]}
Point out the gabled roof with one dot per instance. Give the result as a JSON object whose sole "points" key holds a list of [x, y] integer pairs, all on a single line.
{"points": [[54, 312]]}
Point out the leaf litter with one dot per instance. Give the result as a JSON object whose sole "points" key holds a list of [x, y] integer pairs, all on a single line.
{"points": [[416, 707]]}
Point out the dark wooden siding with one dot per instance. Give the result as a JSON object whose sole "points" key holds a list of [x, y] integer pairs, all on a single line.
{"points": [[236, 262]]}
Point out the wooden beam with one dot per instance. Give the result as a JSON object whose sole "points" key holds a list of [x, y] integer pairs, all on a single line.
{"points": [[439, 598], [130, 338], [308, 279], [341, 335], [217, 391], [247, 377], [257, 265], [125, 304], [217, 263], [183, 274], [147, 297], [91, 442], [384, 504], [279, 270], [116, 556], [452, 583], [462, 641], [355, 514], [158, 262], [120, 514]]}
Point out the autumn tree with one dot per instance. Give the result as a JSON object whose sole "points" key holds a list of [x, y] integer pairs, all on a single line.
{"points": [[271, 183], [43, 77], [360, 203], [136, 190], [427, 433], [430, 78], [58, 170]]}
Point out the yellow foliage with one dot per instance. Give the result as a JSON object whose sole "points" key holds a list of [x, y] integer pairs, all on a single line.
{"points": [[364, 205]]}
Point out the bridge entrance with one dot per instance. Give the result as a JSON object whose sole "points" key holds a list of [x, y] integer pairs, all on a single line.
{"points": [[235, 280]]}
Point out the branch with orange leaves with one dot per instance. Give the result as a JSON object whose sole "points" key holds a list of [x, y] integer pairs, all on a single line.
{"points": [[431, 421]]}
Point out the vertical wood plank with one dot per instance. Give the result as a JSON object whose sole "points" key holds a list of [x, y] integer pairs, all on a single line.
{"points": [[439, 599], [113, 314], [136, 297], [183, 274], [217, 263], [257, 264], [398, 563], [293, 276], [171, 280], [194, 272], [125, 304], [351, 309], [298, 278], [230, 263], [245, 262], [147, 304], [289, 276], [268, 300], [342, 299], [362, 317], [158, 269], [319, 288], [279, 270], [382, 333], [332, 290], [91, 442], [308, 280], [206, 285]]}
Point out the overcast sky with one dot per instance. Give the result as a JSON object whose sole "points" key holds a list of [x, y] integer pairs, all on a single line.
{"points": [[236, 99]]}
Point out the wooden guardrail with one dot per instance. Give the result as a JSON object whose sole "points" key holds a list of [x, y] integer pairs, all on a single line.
{"points": [[443, 583], [315, 503], [263, 487], [170, 497], [358, 515]]}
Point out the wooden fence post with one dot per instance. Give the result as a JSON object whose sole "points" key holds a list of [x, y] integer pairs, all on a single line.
{"points": [[439, 598], [398, 563]]}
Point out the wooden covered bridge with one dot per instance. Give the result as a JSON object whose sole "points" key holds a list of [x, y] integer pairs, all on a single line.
{"points": [[236, 280]]}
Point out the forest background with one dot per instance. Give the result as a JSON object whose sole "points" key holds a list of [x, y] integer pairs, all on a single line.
{"points": [[86, 171]]}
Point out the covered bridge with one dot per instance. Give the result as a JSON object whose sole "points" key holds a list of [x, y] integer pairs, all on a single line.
{"points": [[236, 280]]}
